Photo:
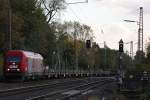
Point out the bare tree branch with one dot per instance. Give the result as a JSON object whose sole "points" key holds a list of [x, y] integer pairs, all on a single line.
{"points": [[45, 5], [51, 16], [52, 7]]}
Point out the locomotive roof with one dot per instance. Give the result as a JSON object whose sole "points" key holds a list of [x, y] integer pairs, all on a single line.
{"points": [[29, 54], [32, 54]]}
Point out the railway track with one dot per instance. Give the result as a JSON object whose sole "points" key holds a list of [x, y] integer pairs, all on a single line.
{"points": [[85, 91], [71, 92], [7, 85], [24, 92], [45, 90]]}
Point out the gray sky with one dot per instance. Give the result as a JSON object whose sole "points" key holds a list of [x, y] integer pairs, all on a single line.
{"points": [[108, 15]]}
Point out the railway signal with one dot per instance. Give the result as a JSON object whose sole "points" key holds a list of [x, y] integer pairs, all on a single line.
{"points": [[88, 43], [121, 46], [120, 68]]}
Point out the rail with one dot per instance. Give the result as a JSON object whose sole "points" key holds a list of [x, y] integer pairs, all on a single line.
{"points": [[14, 91], [86, 87]]}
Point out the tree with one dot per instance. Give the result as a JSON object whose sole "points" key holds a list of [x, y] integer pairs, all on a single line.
{"points": [[4, 25], [86, 33], [30, 30], [70, 37], [51, 8], [140, 57], [80, 31], [148, 53]]}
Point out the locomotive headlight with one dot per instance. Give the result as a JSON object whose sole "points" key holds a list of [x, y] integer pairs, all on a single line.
{"points": [[8, 69], [18, 69]]}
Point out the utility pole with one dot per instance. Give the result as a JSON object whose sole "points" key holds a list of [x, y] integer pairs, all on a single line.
{"points": [[140, 31], [131, 49], [9, 25], [140, 35], [105, 61], [131, 52]]}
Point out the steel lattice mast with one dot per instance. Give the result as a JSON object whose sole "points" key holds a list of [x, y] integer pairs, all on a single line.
{"points": [[140, 31]]}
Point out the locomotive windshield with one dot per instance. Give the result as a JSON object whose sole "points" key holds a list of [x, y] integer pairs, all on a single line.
{"points": [[13, 59]]}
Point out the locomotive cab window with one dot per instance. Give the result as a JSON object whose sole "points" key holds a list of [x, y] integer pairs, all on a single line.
{"points": [[13, 59]]}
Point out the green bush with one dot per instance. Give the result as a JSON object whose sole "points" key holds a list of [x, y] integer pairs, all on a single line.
{"points": [[141, 68]]}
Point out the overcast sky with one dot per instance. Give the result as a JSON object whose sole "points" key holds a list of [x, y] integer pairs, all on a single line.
{"points": [[108, 15]]}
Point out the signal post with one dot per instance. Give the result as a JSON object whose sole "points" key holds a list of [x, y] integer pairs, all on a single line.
{"points": [[88, 46], [120, 69]]}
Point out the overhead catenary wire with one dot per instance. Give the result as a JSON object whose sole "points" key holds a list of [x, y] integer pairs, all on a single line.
{"points": [[75, 32], [79, 19], [74, 3], [86, 1]]}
